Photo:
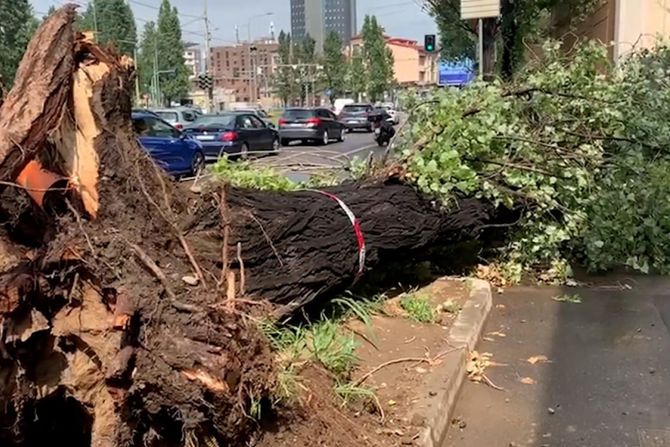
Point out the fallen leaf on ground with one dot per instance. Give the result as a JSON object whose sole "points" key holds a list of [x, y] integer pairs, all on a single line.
{"points": [[538, 359], [527, 381], [497, 334]]}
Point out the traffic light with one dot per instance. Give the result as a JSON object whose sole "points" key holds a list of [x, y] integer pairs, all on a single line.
{"points": [[429, 43]]}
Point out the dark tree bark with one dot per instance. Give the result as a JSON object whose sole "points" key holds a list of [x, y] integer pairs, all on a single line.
{"points": [[299, 246]]}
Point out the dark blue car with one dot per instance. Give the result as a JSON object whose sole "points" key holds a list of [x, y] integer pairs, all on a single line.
{"points": [[172, 150], [233, 134]]}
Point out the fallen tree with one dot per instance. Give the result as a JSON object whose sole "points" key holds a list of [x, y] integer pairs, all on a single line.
{"points": [[121, 318]]}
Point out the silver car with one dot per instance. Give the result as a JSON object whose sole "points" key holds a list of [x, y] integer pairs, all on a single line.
{"points": [[179, 117]]}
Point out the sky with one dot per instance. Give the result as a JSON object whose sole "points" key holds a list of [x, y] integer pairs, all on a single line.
{"points": [[399, 18]]}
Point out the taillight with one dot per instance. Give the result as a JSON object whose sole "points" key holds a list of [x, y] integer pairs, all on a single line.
{"points": [[281, 121], [179, 126], [313, 122], [228, 136]]}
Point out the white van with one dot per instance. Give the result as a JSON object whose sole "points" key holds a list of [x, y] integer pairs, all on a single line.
{"points": [[340, 103]]}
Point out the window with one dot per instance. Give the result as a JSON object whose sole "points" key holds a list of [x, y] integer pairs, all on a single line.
{"points": [[257, 123], [188, 116], [170, 117], [244, 122], [161, 129]]}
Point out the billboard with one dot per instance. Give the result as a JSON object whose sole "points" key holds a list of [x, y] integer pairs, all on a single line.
{"points": [[455, 74], [479, 9]]}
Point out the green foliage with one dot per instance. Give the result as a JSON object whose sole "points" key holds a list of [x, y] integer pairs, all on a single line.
{"points": [[147, 59], [334, 66], [17, 27], [418, 308], [243, 175], [356, 77], [115, 24], [350, 393], [378, 59], [284, 80], [522, 22], [333, 348], [171, 54], [576, 147]]}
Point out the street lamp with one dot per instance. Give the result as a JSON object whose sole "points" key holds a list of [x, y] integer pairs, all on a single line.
{"points": [[257, 16], [252, 72]]}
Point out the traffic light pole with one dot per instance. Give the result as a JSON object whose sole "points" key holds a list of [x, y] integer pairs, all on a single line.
{"points": [[208, 42]]}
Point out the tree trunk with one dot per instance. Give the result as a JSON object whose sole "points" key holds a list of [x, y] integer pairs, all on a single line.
{"points": [[301, 246], [120, 323]]}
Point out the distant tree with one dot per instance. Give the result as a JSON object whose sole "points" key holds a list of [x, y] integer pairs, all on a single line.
{"points": [[147, 57], [334, 66], [17, 25], [285, 80], [521, 22], [174, 86], [304, 52], [378, 58], [357, 77], [86, 20], [50, 12], [116, 25]]}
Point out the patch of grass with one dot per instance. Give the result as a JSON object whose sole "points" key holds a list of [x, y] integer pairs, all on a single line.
{"points": [[568, 298], [333, 348], [418, 308], [349, 393]]}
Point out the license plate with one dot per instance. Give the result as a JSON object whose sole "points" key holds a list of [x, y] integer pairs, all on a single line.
{"points": [[295, 125], [205, 137], [352, 122]]}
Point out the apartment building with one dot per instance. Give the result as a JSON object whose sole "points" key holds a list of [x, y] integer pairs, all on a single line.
{"points": [[412, 65], [623, 24], [318, 18], [193, 59], [245, 70]]}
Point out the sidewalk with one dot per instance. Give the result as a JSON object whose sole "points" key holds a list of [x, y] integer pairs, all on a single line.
{"points": [[606, 382]]}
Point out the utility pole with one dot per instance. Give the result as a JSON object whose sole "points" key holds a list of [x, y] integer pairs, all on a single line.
{"points": [[208, 41]]}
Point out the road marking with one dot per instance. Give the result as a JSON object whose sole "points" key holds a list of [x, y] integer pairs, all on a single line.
{"points": [[353, 151]]}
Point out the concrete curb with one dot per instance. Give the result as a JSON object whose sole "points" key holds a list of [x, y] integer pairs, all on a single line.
{"points": [[434, 411]]}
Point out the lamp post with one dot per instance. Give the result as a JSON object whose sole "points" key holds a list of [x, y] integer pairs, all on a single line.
{"points": [[252, 69]]}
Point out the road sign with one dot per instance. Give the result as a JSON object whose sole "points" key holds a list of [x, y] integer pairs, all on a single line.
{"points": [[455, 74], [205, 81], [479, 9]]}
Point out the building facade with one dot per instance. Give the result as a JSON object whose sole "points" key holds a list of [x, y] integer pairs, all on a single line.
{"points": [[624, 25], [412, 65], [244, 71], [193, 60], [318, 18]]}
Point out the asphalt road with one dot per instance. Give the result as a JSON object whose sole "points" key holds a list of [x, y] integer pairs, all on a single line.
{"points": [[299, 160], [604, 381]]}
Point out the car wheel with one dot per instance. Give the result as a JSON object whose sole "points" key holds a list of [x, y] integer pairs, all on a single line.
{"points": [[285, 141], [341, 138], [275, 145], [198, 164], [244, 151], [326, 138]]}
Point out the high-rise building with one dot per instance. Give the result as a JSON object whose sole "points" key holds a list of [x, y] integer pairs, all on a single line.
{"points": [[317, 18]]}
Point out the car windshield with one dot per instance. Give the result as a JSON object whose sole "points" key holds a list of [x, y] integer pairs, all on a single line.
{"points": [[298, 114], [354, 109], [219, 120], [170, 117]]}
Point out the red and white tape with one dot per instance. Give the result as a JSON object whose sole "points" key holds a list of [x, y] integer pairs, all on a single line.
{"points": [[360, 239]]}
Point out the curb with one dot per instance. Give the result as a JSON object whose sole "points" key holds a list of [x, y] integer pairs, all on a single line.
{"points": [[435, 410]]}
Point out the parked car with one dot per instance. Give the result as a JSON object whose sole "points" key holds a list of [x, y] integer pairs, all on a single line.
{"points": [[306, 124], [179, 118], [355, 116], [339, 104], [233, 133], [170, 149], [262, 114], [393, 113]]}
